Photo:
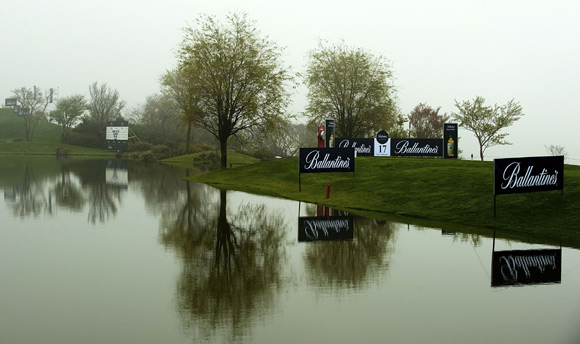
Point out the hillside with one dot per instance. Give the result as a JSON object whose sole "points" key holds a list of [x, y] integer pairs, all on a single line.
{"points": [[45, 140]]}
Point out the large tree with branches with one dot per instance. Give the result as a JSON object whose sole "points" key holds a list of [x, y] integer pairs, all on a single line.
{"points": [[354, 87], [237, 77]]}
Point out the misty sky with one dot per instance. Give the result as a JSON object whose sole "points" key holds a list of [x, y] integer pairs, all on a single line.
{"points": [[440, 51]]}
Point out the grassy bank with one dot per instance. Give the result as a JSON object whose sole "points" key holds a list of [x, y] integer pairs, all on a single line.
{"points": [[45, 141], [456, 195]]}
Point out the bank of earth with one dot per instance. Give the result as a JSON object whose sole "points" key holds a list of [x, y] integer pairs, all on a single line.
{"points": [[455, 195]]}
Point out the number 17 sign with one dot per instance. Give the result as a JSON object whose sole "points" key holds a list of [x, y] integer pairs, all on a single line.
{"points": [[382, 144]]}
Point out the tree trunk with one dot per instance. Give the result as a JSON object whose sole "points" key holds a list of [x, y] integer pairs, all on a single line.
{"points": [[224, 153], [188, 138], [481, 152]]}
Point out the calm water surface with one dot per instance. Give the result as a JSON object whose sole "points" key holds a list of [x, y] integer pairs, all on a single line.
{"points": [[121, 252]]}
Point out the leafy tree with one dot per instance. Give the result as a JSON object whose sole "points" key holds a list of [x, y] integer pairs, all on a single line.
{"points": [[486, 122], [105, 104], [68, 113], [426, 122], [352, 86], [236, 76], [32, 106], [179, 85]]}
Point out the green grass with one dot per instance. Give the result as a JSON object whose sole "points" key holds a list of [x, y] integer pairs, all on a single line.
{"points": [[45, 139], [453, 194]]}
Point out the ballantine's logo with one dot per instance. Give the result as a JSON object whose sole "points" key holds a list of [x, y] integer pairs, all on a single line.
{"points": [[313, 162], [312, 227], [510, 265], [513, 179], [403, 148], [362, 149]]}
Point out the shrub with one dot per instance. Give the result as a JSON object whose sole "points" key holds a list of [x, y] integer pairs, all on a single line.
{"points": [[139, 147], [84, 140]]}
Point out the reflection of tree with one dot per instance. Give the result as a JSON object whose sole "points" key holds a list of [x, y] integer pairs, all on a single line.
{"points": [[67, 194], [30, 197], [102, 202], [231, 266], [351, 264]]}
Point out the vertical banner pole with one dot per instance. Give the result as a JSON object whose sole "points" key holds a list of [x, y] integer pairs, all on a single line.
{"points": [[494, 205], [299, 182]]}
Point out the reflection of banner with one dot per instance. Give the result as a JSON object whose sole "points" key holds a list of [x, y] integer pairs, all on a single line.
{"points": [[509, 268], [313, 160], [332, 228], [416, 147], [362, 147], [518, 175]]}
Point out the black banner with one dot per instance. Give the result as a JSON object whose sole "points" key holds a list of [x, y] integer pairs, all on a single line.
{"points": [[315, 160], [450, 138], [416, 147], [512, 268], [332, 228], [531, 174], [10, 102], [363, 147]]}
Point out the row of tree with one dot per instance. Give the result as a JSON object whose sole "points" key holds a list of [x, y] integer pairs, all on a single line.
{"points": [[231, 83], [70, 111]]}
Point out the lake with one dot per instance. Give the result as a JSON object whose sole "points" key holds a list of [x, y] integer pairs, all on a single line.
{"points": [[112, 251]]}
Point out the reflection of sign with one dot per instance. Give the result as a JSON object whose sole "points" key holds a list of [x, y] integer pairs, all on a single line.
{"points": [[416, 147], [10, 102], [332, 228], [363, 147], [510, 268], [116, 174], [313, 160], [517, 175]]}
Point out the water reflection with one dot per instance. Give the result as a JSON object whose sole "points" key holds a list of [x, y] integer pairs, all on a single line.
{"points": [[232, 263], [229, 267], [336, 265], [44, 186]]}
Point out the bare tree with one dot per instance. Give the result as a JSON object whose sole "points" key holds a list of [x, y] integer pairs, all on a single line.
{"points": [[105, 104], [31, 108], [556, 150]]}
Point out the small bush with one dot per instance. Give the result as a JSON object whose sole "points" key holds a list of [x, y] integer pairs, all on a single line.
{"points": [[83, 140], [139, 147], [264, 154]]}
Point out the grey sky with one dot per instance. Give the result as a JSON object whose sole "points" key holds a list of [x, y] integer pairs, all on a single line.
{"points": [[440, 51]]}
